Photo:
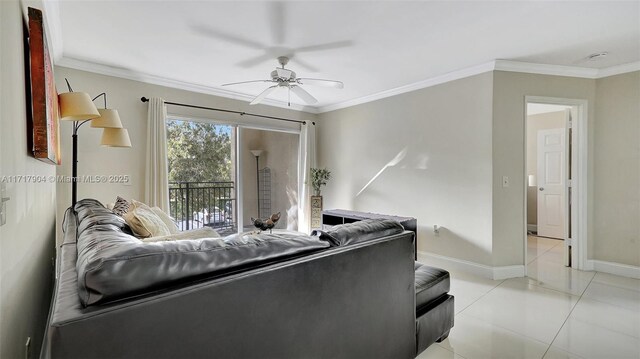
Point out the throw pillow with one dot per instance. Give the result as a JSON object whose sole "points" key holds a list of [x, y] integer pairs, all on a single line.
{"points": [[121, 206], [145, 223], [168, 221]]}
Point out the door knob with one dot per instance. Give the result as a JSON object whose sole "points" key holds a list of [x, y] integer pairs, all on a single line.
{"points": [[541, 189]]}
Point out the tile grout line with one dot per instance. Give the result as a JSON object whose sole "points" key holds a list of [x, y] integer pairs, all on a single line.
{"points": [[550, 248], [558, 290], [450, 351], [615, 285], [482, 296], [465, 308], [567, 318]]}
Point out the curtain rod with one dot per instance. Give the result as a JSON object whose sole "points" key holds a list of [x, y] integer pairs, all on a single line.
{"points": [[144, 99]]}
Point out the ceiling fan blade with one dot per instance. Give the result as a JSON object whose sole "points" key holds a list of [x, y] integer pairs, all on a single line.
{"points": [[283, 73], [254, 61], [303, 94], [326, 46], [321, 82], [263, 94], [245, 82], [305, 65], [208, 31], [277, 18]]}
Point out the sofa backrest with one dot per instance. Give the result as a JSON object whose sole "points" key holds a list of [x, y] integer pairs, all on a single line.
{"points": [[358, 232], [112, 264]]}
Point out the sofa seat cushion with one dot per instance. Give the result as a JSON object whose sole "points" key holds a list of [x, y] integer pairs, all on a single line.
{"points": [[357, 232], [431, 283]]}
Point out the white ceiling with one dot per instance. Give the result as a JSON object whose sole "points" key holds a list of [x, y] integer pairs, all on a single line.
{"points": [[380, 45]]}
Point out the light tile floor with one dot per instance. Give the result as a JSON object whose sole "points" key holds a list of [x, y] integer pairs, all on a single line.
{"points": [[556, 312]]}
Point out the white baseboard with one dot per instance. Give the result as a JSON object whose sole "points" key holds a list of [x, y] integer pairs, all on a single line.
{"points": [[504, 272], [495, 273], [623, 270], [532, 228]]}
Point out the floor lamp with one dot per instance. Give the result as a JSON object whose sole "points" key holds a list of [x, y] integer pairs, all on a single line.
{"points": [[79, 108], [257, 153]]}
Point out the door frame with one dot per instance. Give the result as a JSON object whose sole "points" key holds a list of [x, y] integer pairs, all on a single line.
{"points": [[579, 181]]}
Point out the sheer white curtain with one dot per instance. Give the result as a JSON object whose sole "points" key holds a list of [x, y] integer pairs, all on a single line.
{"points": [[156, 175], [306, 161]]}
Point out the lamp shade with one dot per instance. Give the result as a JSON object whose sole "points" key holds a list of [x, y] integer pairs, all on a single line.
{"points": [[257, 153], [108, 119], [532, 181], [77, 106], [115, 137]]}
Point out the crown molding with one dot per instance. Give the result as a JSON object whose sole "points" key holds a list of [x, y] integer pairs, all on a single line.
{"points": [[497, 65], [620, 69], [545, 69], [448, 77], [127, 74]]}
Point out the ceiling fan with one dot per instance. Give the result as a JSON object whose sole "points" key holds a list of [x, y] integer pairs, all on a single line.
{"points": [[277, 19], [286, 78]]}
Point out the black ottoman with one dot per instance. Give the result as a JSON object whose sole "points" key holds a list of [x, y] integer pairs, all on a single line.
{"points": [[434, 306]]}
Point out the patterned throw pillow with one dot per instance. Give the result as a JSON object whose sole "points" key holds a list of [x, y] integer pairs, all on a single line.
{"points": [[121, 206]]}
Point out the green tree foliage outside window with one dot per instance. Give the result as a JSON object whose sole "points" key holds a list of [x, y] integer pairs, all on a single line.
{"points": [[198, 151]]}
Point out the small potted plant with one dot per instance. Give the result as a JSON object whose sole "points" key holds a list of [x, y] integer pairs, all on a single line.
{"points": [[319, 178]]}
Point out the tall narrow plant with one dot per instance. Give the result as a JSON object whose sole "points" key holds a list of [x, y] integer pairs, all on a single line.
{"points": [[319, 178]]}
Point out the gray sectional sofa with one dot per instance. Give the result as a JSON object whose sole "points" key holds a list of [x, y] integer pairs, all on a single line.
{"points": [[281, 296]]}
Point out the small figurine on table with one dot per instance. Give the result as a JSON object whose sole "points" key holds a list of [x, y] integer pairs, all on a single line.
{"points": [[267, 223]]}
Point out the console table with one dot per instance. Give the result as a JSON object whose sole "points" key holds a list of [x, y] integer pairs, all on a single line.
{"points": [[333, 217]]}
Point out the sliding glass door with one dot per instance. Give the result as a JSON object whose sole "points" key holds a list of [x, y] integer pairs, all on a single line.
{"points": [[221, 175]]}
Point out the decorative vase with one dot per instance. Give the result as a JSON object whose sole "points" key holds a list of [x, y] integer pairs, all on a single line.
{"points": [[316, 212]]}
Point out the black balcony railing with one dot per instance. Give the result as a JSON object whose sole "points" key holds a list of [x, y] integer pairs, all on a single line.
{"points": [[203, 204]]}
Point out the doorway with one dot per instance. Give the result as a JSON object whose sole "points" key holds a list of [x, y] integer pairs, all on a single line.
{"points": [[555, 182]]}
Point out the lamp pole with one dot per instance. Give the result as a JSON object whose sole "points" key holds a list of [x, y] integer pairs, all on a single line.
{"points": [[257, 153], [258, 182]]}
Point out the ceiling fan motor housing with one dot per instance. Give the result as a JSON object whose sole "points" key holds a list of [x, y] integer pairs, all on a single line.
{"points": [[275, 76]]}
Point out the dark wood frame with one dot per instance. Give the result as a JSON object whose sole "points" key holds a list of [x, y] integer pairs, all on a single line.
{"points": [[42, 97]]}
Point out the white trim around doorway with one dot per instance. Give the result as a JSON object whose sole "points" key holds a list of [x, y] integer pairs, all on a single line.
{"points": [[579, 217]]}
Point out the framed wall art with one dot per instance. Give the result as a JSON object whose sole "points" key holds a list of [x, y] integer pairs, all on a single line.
{"points": [[42, 97]]}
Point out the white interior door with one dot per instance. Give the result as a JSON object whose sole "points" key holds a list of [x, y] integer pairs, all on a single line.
{"points": [[551, 183]]}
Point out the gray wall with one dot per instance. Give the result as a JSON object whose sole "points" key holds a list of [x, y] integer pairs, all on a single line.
{"points": [[445, 175], [124, 95], [27, 240], [535, 123], [616, 178], [460, 138], [509, 91]]}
